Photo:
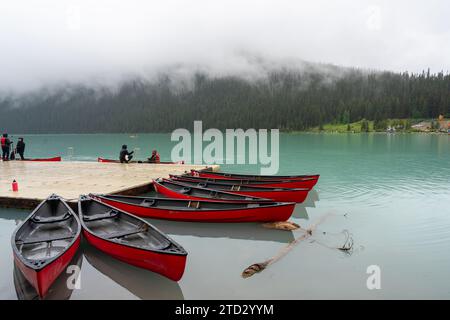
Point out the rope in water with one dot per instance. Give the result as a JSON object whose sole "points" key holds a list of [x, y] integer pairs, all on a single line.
{"points": [[260, 266]]}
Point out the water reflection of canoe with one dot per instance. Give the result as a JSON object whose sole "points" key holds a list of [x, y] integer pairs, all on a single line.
{"points": [[58, 291], [244, 231], [137, 161], [140, 282], [310, 201]]}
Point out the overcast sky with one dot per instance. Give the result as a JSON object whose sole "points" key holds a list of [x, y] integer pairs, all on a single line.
{"points": [[48, 41]]}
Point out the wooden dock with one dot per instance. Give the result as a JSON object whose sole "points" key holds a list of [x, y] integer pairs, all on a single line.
{"points": [[37, 180]]}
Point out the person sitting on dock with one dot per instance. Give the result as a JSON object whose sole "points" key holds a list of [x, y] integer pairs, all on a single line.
{"points": [[5, 143], [155, 158], [125, 156], [20, 148]]}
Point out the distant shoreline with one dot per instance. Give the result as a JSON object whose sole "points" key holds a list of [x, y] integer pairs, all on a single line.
{"points": [[387, 126], [422, 126]]}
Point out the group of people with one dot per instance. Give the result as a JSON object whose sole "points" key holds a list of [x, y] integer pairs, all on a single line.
{"points": [[126, 156], [8, 150]]}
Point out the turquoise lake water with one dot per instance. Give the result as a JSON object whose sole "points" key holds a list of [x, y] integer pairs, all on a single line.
{"points": [[389, 192]]}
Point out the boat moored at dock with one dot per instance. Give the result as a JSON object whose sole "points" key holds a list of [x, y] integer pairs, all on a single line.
{"points": [[137, 161], [130, 239], [176, 190], [53, 159], [306, 183], [274, 193], [200, 210], [45, 243], [224, 175]]}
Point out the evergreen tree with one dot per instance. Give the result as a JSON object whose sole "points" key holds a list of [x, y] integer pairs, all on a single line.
{"points": [[285, 99]]}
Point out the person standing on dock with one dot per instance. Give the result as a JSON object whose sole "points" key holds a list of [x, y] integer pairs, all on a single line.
{"points": [[125, 156], [155, 158], [5, 143], [20, 148]]}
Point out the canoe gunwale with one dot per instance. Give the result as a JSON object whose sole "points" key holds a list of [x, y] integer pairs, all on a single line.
{"points": [[261, 188], [272, 205], [48, 261], [253, 199], [182, 251], [243, 176]]}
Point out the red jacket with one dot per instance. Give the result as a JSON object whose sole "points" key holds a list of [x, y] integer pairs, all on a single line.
{"points": [[155, 158]]}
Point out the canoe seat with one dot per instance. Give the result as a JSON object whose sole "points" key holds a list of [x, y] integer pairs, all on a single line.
{"points": [[121, 234], [214, 194], [37, 219], [148, 202], [185, 190], [235, 188], [44, 239], [107, 215], [194, 204], [202, 184], [153, 242]]}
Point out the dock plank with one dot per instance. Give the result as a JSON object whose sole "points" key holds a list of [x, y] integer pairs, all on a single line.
{"points": [[37, 180]]}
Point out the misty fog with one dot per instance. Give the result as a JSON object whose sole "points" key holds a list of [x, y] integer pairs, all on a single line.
{"points": [[49, 42]]}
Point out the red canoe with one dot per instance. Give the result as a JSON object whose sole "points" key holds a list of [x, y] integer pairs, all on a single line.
{"points": [[306, 183], [136, 161], [54, 159], [176, 190], [276, 194], [130, 239], [45, 243], [200, 210], [224, 175]]}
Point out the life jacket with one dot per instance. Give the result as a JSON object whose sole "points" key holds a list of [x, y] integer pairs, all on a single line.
{"points": [[3, 141], [155, 158]]}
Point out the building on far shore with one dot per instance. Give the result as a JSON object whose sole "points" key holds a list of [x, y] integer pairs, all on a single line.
{"points": [[422, 126], [441, 124]]}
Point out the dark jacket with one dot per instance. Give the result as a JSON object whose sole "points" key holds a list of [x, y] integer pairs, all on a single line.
{"points": [[20, 147], [123, 155]]}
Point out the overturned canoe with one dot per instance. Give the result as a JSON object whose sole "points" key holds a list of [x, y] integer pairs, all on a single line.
{"points": [[306, 183], [200, 210], [176, 190], [233, 176], [137, 161], [130, 239], [275, 193], [45, 243]]}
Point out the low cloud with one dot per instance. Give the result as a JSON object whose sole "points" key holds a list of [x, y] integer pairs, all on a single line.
{"points": [[51, 42]]}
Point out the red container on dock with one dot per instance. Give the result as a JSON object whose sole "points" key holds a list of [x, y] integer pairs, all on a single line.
{"points": [[15, 186]]}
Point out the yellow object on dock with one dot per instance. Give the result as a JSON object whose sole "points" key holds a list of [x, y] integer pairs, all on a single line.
{"points": [[37, 180]]}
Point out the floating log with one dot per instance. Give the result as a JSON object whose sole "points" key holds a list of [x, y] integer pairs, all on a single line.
{"points": [[282, 225]]}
